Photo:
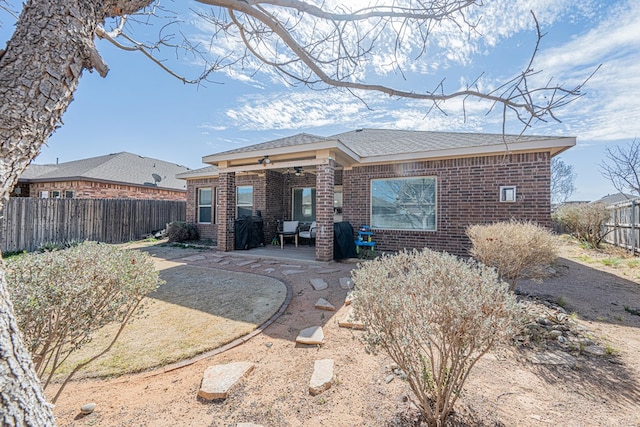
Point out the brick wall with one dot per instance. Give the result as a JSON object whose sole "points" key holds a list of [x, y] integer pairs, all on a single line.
{"points": [[101, 190], [467, 193]]}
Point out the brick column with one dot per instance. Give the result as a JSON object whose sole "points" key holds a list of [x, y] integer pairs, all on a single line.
{"points": [[227, 212], [324, 211]]}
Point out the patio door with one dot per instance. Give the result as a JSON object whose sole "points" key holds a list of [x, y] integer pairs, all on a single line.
{"points": [[304, 204]]}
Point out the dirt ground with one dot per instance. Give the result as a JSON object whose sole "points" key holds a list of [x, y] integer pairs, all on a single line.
{"points": [[504, 389]]}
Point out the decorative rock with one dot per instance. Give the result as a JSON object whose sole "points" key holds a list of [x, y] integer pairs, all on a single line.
{"points": [[555, 333], [594, 350], [248, 425], [311, 336], [269, 270], [218, 379], [561, 339], [322, 376], [552, 358], [323, 304], [348, 320], [346, 283], [348, 298], [87, 408], [290, 272], [389, 379], [319, 284], [543, 321]]}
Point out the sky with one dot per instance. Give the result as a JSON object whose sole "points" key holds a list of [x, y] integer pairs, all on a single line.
{"points": [[142, 109]]}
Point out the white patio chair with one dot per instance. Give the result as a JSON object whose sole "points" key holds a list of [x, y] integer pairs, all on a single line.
{"points": [[310, 233], [289, 229]]}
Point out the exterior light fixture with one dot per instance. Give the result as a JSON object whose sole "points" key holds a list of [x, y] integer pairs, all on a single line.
{"points": [[264, 161], [298, 170]]}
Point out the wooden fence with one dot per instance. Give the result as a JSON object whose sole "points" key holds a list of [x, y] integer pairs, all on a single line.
{"points": [[29, 222], [623, 227]]}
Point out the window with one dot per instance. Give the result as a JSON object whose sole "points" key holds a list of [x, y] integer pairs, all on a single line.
{"points": [[508, 193], [68, 194], [304, 204], [44, 194], [404, 203], [217, 205], [55, 194], [204, 205], [244, 201]]}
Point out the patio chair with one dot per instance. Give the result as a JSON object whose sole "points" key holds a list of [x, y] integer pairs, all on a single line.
{"points": [[310, 233], [288, 229]]}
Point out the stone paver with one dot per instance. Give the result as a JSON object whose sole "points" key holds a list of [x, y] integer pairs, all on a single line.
{"points": [[269, 270], [256, 266], [346, 283], [311, 336], [289, 272], [193, 258], [243, 263], [219, 379], [322, 376], [319, 284], [552, 358], [348, 321], [329, 271], [323, 304]]}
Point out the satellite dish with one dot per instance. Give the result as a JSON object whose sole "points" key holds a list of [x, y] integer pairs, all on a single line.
{"points": [[156, 178]]}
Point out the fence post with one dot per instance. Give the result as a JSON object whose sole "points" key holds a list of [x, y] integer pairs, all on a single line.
{"points": [[633, 226]]}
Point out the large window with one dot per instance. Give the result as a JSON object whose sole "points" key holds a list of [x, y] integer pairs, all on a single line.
{"points": [[404, 203], [244, 201], [204, 205], [304, 204]]}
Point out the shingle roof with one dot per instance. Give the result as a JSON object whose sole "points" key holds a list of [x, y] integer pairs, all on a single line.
{"points": [[386, 142], [201, 172], [289, 141], [126, 168]]}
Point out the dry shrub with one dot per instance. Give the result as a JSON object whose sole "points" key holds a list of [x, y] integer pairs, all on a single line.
{"points": [[180, 231], [514, 248], [63, 297], [434, 315], [586, 222]]}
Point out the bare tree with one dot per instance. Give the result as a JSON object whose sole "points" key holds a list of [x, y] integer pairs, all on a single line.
{"points": [[53, 44], [562, 181], [622, 167]]}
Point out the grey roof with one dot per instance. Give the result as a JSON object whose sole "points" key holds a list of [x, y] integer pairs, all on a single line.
{"points": [[389, 142], [289, 141], [124, 168], [611, 199], [386, 142], [201, 172]]}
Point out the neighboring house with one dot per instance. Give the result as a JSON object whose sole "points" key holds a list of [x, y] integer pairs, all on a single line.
{"points": [[415, 189], [114, 176], [612, 199]]}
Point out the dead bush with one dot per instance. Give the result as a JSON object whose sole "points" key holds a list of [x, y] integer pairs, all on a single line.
{"points": [[586, 222], [180, 231], [435, 316], [514, 248]]}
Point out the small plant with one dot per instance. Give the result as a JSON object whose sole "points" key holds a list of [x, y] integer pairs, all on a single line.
{"points": [[514, 248], [561, 302], [180, 231], [611, 262], [62, 298], [584, 221], [633, 262], [435, 316]]}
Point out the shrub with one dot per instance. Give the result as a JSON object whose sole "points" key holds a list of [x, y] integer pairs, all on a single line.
{"points": [[180, 231], [435, 316], [515, 249], [63, 297], [586, 221]]}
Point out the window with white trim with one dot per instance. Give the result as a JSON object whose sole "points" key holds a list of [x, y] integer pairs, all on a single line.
{"points": [[68, 194], [204, 205], [217, 205], [404, 203]]}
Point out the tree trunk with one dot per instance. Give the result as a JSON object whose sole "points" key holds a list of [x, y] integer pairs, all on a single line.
{"points": [[39, 71]]}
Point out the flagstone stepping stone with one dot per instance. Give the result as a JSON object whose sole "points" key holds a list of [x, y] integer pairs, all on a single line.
{"points": [[311, 336], [319, 284], [271, 261], [225, 263], [248, 425], [346, 283], [194, 258], [552, 358], [218, 379], [269, 270], [322, 376], [243, 263], [348, 320], [348, 299], [329, 270], [256, 266], [290, 266], [323, 304], [290, 272]]}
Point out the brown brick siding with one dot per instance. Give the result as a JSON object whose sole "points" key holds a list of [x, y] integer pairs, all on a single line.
{"points": [[102, 190], [467, 193]]}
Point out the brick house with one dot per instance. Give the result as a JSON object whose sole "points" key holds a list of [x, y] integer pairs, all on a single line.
{"points": [[415, 189], [114, 176]]}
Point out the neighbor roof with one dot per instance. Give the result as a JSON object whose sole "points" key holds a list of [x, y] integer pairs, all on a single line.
{"points": [[123, 168]]}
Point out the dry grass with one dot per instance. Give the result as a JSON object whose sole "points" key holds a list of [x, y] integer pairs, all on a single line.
{"points": [[197, 310]]}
